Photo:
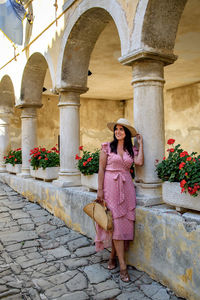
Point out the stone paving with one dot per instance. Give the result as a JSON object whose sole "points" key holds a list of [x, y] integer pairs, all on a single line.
{"points": [[43, 259]]}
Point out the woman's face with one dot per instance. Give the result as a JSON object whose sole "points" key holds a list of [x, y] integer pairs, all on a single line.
{"points": [[119, 132]]}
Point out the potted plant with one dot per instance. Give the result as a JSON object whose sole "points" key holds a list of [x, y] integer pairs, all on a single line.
{"points": [[44, 163], [180, 172], [13, 161], [88, 165]]}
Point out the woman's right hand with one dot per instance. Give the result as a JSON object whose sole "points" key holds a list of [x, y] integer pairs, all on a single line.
{"points": [[100, 195]]}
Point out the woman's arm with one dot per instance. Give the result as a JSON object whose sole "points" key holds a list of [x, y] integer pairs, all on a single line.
{"points": [[102, 166], [139, 159]]}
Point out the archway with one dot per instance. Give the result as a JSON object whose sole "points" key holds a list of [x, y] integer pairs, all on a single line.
{"points": [[76, 53], [36, 85], [7, 100]]}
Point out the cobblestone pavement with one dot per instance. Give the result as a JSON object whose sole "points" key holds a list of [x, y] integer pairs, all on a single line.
{"points": [[43, 259]]}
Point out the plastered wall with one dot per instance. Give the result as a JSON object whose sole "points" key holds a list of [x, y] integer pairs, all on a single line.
{"points": [[94, 116], [182, 121]]}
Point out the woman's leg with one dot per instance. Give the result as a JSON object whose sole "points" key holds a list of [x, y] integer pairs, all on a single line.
{"points": [[113, 251], [119, 247], [112, 263]]}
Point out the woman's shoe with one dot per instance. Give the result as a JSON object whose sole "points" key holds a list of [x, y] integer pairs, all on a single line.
{"points": [[124, 276], [112, 263]]}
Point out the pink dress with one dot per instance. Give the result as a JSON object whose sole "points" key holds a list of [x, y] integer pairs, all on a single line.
{"points": [[119, 194]]}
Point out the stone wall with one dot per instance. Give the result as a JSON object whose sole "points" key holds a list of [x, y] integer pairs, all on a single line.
{"points": [[166, 244], [94, 116], [48, 121], [182, 122]]}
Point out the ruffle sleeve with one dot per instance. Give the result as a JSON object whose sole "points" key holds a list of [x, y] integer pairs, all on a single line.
{"points": [[105, 147]]}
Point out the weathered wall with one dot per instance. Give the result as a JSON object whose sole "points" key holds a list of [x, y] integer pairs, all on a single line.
{"points": [[94, 116], [15, 128], [182, 122], [48, 122], [166, 245], [128, 111]]}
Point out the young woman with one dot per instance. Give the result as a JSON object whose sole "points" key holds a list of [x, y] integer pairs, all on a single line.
{"points": [[116, 187]]}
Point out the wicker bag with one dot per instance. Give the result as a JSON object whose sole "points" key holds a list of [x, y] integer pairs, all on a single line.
{"points": [[100, 214]]}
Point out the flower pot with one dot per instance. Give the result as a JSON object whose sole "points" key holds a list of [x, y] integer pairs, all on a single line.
{"points": [[47, 174], [14, 169], [90, 181], [172, 195]]}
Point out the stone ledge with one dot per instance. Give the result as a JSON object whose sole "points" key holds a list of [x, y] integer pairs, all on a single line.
{"points": [[65, 203]]}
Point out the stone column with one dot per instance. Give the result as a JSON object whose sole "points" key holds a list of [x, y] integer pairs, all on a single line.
{"points": [[148, 82], [29, 136], [69, 104], [4, 139]]}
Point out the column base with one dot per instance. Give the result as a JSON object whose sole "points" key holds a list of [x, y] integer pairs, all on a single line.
{"points": [[148, 194], [67, 180], [25, 173]]}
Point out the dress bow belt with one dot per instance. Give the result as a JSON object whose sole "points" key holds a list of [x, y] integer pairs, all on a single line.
{"points": [[119, 178]]}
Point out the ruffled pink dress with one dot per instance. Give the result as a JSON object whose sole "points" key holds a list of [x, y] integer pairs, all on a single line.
{"points": [[119, 194]]}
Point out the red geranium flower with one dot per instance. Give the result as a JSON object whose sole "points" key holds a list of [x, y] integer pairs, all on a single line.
{"points": [[171, 150], [189, 158], [170, 141], [181, 165], [81, 148], [182, 183], [85, 163], [77, 157], [184, 153]]}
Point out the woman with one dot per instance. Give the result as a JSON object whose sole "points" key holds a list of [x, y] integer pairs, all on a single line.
{"points": [[116, 187]]}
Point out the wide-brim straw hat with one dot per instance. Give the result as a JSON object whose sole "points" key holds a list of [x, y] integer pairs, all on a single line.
{"points": [[124, 123]]}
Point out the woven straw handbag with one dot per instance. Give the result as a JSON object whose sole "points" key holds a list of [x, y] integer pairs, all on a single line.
{"points": [[100, 214]]}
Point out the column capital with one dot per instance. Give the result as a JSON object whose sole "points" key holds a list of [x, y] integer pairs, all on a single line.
{"points": [[23, 105], [70, 96], [6, 114], [29, 112], [142, 54], [73, 89]]}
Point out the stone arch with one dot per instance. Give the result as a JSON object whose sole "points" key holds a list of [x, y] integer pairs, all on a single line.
{"points": [[82, 31], [7, 95], [155, 25], [33, 79]]}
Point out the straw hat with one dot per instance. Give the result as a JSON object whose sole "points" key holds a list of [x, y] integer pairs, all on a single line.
{"points": [[124, 123]]}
